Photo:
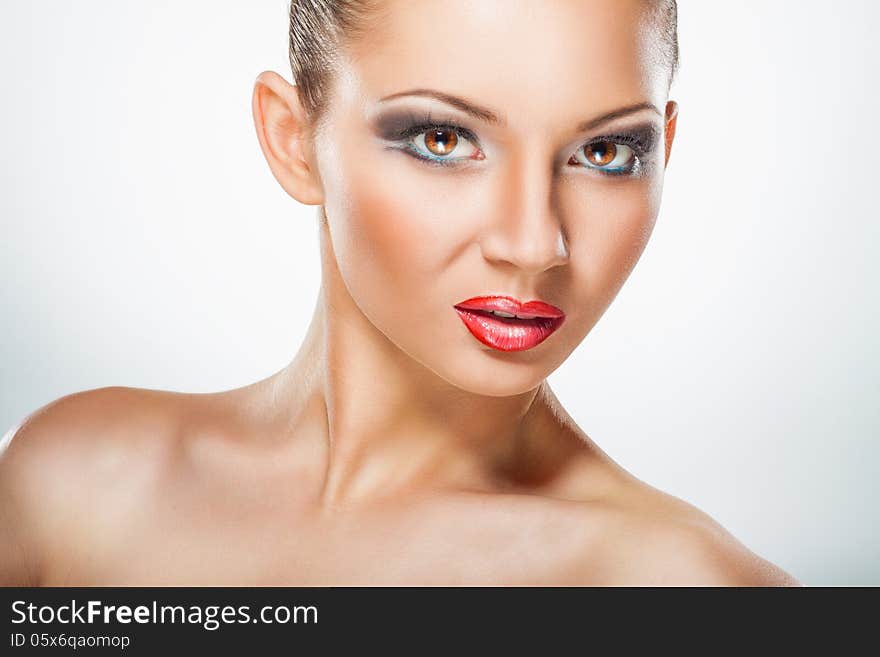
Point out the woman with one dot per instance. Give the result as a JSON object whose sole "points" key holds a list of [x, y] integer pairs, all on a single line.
{"points": [[486, 174]]}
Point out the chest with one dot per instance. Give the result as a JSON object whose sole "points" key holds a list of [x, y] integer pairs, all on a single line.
{"points": [[524, 542]]}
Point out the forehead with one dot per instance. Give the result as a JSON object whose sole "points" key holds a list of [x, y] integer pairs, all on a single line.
{"points": [[525, 58]]}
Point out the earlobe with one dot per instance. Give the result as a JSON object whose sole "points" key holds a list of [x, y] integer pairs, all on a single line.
{"points": [[671, 118], [284, 136]]}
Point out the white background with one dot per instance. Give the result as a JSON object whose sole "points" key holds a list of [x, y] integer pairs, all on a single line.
{"points": [[145, 243]]}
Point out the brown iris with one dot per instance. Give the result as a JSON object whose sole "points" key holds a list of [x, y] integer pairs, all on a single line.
{"points": [[441, 142], [601, 153]]}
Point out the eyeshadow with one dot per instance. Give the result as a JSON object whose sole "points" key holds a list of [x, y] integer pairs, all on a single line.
{"points": [[642, 137], [399, 124]]}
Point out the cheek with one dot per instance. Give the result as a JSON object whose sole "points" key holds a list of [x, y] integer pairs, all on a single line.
{"points": [[395, 231], [610, 225]]}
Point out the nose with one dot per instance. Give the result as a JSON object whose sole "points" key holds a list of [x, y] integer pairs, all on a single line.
{"points": [[526, 232]]}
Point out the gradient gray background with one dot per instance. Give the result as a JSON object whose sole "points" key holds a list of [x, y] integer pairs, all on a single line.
{"points": [[145, 243]]}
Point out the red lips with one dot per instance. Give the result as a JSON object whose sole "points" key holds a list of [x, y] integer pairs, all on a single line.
{"points": [[512, 306], [535, 321]]}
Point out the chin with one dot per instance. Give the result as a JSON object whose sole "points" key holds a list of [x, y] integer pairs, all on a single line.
{"points": [[493, 376], [464, 363]]}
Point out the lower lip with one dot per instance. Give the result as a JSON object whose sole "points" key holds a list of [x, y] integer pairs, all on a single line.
{"points": [[506, 334]]}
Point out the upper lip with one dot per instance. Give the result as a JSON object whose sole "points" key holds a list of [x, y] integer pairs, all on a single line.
{"points": [[512, 306]]}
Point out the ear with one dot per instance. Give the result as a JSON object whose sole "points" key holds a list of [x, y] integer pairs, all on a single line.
{"points": [[671, 117], [285, 138]]}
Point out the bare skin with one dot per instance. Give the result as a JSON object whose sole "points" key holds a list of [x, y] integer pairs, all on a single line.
{"points": [[121, 486], [395, 449]]}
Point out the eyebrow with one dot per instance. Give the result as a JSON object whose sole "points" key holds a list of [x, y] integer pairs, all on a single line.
{"points": [[487, 115]]}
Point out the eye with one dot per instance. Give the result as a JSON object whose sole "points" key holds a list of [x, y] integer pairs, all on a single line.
{"points": [[438, 142], [606, 156]]}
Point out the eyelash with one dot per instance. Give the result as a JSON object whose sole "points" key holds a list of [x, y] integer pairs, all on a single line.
{"points": [[636, 141], [418, 128]]}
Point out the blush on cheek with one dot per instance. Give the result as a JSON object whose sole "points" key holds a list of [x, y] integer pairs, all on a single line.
{"points": [[388, 226], [627, 240], [609, 235], [388, 241], [410, 218]]}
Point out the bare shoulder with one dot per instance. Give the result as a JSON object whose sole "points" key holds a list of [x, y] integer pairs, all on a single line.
{"points": [[72, 431], [75, 463], [637, 535], [658, 539]]}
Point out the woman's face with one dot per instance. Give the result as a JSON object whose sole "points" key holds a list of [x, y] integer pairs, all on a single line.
{"points": [[531, 195]]}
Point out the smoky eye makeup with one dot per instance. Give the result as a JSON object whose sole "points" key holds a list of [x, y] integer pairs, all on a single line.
{"points": [[640, 140], [396, 126], [401, 128]]}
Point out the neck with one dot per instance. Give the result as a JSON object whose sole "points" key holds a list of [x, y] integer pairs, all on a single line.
{"points": [[384, 423]]}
